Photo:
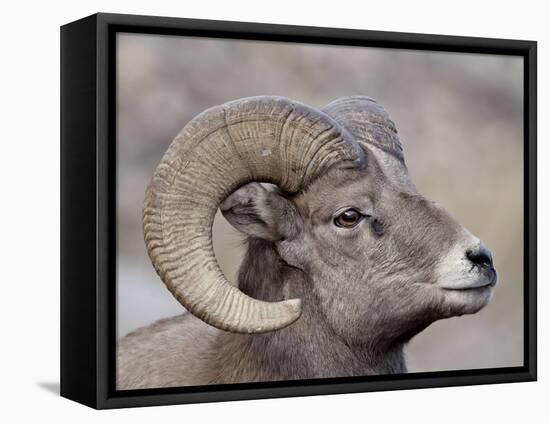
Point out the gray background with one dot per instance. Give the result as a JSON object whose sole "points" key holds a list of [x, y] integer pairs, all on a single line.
{"points": [[459, 117]]}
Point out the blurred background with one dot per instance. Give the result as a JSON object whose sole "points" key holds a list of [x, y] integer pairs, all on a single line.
{"points": [[460, 118]]}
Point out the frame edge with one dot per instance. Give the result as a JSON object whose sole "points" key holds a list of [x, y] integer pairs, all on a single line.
{"points": [[78, 211]]}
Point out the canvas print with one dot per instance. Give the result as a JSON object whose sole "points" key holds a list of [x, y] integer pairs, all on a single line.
{"points": [[291, 211]]}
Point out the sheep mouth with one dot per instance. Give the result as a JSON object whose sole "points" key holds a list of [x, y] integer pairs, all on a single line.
{"points": [[488, 279], [476, 288]]}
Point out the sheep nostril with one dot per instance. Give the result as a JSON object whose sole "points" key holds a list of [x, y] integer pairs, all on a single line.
{"points": [[480, 256]]}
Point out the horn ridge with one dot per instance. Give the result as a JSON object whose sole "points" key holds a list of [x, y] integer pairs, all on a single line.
{"points": [[264, 139]]}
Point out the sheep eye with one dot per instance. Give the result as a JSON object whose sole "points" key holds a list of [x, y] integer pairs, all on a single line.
{"points": [[348, 219]]}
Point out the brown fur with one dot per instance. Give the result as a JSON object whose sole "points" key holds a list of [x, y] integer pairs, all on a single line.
{"points": [[365, 291]]}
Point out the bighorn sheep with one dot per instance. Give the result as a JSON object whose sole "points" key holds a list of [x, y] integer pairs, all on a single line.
{"points": [[345, 261]]}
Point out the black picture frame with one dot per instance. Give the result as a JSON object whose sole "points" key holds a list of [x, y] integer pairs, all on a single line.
{"points": [[88, 200]]}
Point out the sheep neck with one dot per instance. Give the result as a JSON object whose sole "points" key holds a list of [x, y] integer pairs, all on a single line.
{"points": [[307, 349]]}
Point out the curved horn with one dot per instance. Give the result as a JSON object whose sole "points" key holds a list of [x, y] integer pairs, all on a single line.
{"points": [[368, 122], [372, 126], [264, 139]]}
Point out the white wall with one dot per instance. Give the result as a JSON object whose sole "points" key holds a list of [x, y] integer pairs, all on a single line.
{"points": [[30, 208]]}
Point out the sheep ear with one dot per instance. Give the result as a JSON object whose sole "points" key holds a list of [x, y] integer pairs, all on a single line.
{"points": [[260, 210]]}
